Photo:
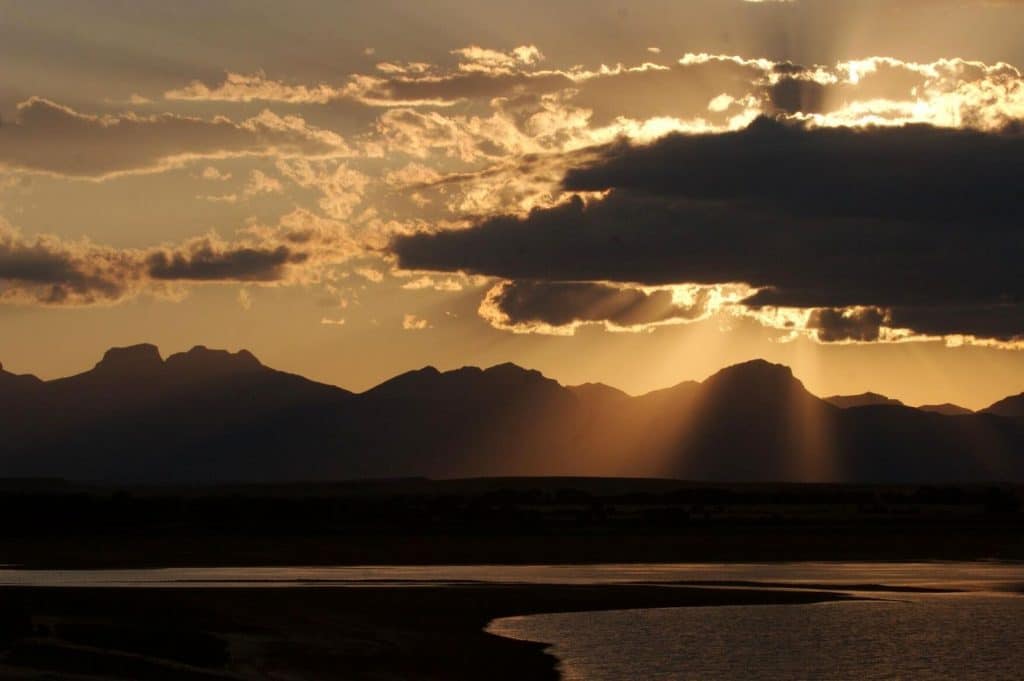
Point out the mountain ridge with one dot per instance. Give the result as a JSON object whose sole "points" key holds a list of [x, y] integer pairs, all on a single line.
{"points": [[215, 415], [864, 399], [1009, 407], [123, 355]]}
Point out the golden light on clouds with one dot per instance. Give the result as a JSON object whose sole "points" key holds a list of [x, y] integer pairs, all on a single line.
{"points": [[253, 174]]}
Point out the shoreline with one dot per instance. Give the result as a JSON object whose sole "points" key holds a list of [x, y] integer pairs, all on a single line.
{"points": [[317, 633]]}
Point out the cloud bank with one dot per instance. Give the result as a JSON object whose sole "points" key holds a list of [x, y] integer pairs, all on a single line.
{"points": [[917, 227]]}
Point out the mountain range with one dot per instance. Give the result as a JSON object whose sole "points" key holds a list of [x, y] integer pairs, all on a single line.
{"points": [[210, 415], [870, 399]]}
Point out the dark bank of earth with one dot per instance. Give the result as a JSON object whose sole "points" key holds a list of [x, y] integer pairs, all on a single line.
{"points": [[358, 634], [55, 524]]}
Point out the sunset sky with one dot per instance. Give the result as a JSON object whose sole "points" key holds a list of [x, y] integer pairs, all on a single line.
{"points": [[636, 193]]}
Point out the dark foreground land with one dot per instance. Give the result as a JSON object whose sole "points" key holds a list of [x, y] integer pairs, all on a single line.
{"points": [[303, 633], [53, 524]]}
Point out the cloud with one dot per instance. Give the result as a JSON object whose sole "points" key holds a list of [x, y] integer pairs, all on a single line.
{"points": [[219, 198], [370, 274], [412, 175], [480, 59], [559, 308], [261, 183], [449, 284], [997, 321], [855, 324], [51, 138], [473, 124], [911, 172], [212, 173], [206, 260], [518, 186], [301, 249], [947, 92], [258, 183], [46, 270], [921, 223], [508, 105], [341, 187], [411, 322], [510, 110], [479, 71], [238, 87]]}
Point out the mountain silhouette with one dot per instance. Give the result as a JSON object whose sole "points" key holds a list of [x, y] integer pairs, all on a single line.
{"points": [[211, 415], [18, 394], [746, 422], [16, 383], [946, 409], [1010, 407], [867, 399], [136, 416], [599, 392]]}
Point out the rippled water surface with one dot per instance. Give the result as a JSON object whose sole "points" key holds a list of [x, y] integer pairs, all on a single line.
{"points": [[972, 634], [977, 576], [933, 637]]}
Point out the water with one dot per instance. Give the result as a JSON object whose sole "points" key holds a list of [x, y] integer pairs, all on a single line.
{"points": [[933, 637], [973, 633], [975, 576]]}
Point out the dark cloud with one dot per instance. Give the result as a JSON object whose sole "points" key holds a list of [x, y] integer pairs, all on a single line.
{"points": [[520, 303], [797, 261], [922, 222], [998, 321], [48, 271], [912, 172], [794, 95], [204, 261], [859, 324]]}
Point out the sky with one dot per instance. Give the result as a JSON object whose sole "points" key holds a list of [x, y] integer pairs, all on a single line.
{"points": [[632, 193]]}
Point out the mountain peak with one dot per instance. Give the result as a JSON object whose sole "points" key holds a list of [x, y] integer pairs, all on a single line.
{"points": [[867, 399], [511, 369], [756, 370], [1011, 407], [415, 381], [946, 409], [141, 358], [758, 384], [512, 375], [201, 359], [599, 391], [431, 382], [9, 380]]}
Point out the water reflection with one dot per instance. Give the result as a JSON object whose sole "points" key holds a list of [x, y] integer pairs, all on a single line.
{"points": [[971, 576], [962, 636]]}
